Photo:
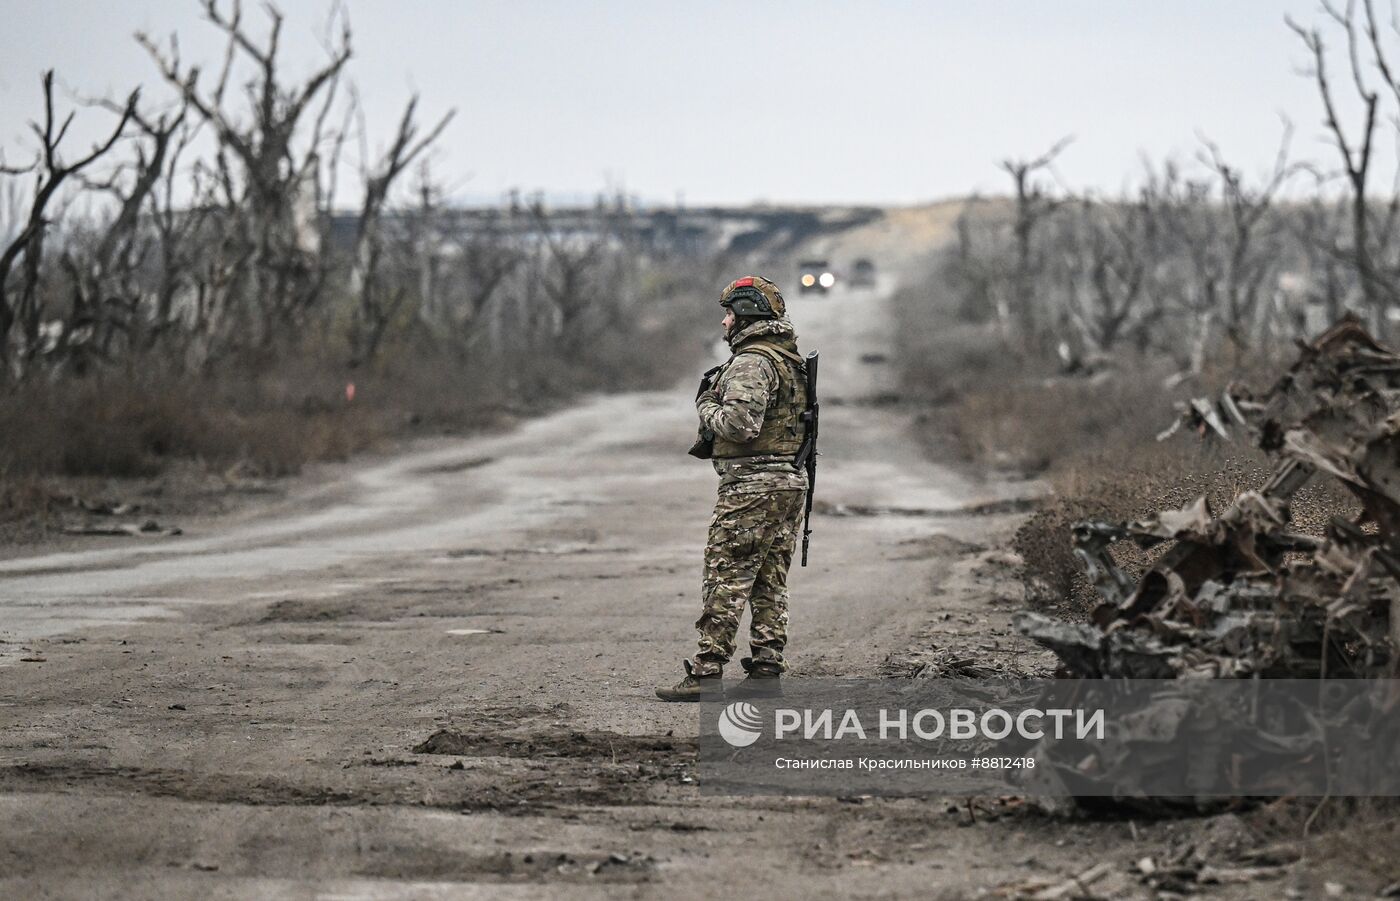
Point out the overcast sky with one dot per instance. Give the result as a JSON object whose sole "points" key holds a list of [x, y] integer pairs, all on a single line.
{"points": [[733, 102]]}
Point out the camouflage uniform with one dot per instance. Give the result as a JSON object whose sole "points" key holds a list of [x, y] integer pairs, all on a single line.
{"points": [[759, 510]]}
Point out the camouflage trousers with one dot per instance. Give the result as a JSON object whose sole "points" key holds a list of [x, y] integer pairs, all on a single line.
{"points": [[747, 557]]}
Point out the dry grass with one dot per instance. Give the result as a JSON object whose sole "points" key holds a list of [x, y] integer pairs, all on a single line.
{"points": [[120, 433], [117, 434], [1092, 439], [130, 426], [1351, 838]]}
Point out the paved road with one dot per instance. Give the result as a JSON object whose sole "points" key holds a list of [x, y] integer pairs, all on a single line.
{"points": [[234, 713]]}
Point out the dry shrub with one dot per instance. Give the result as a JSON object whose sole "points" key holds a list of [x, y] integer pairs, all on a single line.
{"points": [[129, 427], [1128, 480], [23, 496], [941, 359], [1121, 485], [271, 416], [1351, 835], [1008, 407], [56, 438], [663, 334], [1091, 438], [1029, 425]]}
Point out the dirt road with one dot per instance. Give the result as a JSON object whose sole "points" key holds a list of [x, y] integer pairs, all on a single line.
{"points": [[235, 712]]}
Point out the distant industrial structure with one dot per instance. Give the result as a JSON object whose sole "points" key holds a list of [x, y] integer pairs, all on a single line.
{"points": [[672, 231]]}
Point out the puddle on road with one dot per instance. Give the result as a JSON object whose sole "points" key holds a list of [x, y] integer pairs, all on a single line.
{"points": [[469, 631]]}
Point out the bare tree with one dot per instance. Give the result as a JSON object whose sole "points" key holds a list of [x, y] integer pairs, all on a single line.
{"points": [[106, 278], [1103, 263], [566, 271], [1033, 204], [265, 179], [377, 304], [976, 269], [175, 230], [486, 258], [1369, 238], [1324, 278], [20, 306], [1252, 238]]}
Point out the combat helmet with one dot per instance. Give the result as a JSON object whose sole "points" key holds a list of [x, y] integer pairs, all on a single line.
{"points": [[754, 296]]}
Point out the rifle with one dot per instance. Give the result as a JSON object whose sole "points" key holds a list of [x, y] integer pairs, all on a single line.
{"points": [[704, 444], [807, 453]]}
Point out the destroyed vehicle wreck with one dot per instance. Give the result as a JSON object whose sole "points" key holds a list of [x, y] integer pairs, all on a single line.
{"points": [[1239, 594], [1241, 597]]}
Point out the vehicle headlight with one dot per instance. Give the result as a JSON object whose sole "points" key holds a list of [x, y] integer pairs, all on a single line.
{"points": [[827, 279], [808, 279]]}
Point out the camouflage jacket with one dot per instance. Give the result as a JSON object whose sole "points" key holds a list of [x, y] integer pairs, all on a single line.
{"points": [[733, 408]]}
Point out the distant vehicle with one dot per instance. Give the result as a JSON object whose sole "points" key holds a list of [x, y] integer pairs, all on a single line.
{"points": [[862, 274], [815, 276]]}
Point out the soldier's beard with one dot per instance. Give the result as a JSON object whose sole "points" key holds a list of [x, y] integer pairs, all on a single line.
{"points": [[740, 323]]}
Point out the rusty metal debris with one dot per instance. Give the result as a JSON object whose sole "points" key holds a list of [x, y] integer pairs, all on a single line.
{"points": [[148, 529], [1241, 594]]}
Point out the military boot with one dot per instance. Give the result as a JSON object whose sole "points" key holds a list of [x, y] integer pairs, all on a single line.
{"points": [[763, 679], [693, 687]]}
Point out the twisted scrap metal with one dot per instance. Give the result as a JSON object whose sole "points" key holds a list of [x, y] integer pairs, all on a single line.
{"points": [[1239, 594]]}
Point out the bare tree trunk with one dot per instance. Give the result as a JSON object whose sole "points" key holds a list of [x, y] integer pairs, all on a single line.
{"points": [[22, 308], [1032, 205]]}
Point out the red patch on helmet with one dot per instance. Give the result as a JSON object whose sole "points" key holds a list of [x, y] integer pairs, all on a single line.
{"points": [[744, 283]]}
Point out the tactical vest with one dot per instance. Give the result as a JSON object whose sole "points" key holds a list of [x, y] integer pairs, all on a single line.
{"points": [[782, 430]]}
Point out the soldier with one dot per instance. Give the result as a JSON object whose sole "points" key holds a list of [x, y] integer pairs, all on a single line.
{"points": [[751, 412]]}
